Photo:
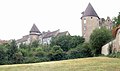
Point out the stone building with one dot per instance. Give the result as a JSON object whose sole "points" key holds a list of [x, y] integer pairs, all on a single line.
{"points": [[43, 38], [90, 21], [106, 23]]}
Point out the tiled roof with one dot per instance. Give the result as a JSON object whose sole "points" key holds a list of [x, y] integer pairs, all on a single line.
{"points": [[50, 34], [23, 39], [63, 33], [90, 11], [34, 29]]}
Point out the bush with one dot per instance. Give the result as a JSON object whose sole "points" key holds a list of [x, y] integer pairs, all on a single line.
{"points": [[80, 51], [114, 55], [67, 42], [56, 53], [98, 38]]}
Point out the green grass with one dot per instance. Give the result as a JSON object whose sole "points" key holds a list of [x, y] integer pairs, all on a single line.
{"points": [[82, 64]]}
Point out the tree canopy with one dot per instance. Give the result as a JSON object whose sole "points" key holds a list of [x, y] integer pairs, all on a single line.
{"points": [[98, 38], [67, 42]]}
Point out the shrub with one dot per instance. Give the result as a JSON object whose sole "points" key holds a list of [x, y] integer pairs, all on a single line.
{"points": [[98, 38], [80, 51], [114, 55]]}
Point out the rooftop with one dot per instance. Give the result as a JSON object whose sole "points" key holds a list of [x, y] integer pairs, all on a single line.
{"points": [[89, 11]]}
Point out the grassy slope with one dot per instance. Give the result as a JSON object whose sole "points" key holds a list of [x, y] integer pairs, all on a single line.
{"points": [[83, 64]]}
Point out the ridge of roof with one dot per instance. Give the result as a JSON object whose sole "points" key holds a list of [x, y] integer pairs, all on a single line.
{"points": [[51, 34], [23, 39], [63, 33]]}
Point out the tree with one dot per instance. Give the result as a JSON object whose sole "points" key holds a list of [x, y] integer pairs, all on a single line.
{"points": [[98, 38], [12, 50], [82, 50], [3, 50], [56, 53], [35, 43], [67, 42], [116, 20], [62, 41], [18, 57], [76, 40]]}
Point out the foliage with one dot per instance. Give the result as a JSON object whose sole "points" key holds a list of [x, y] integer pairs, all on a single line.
{"points": [[35, 44], [56, 53], [67, 42], [12, 50], [12, 54], [80, 51], [2, 54], [116, 20], [114, 55], [98, 38]]}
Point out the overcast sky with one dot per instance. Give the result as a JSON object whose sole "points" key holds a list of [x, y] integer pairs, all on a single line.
{"points": [[17, 17]]}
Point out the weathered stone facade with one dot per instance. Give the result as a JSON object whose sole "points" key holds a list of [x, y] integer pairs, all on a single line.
{"points": [[90, 21], [88, 25], [106, 23]]}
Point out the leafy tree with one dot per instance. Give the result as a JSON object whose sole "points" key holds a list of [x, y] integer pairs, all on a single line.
{"points": [[116, 20], [35, 44], [67, 42], [3, 50], [75, 41], [12, 50], [82, 50], [62, 41], [56, 53], [23, 46], [18, 57], [98, 38]]}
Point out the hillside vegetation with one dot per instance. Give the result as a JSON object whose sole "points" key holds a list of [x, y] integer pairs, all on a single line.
{"points": [[82, 64]]}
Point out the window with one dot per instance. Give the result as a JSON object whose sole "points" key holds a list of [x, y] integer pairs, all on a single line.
{"points": [[84, 28], [84, 21], [91, 17]]}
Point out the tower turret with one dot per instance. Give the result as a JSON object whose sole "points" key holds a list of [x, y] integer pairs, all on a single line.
{"points": [[90, 21], [34, 33]]}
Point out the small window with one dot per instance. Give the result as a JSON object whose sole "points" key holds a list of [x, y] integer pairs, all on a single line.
{"points": [[91, 17], [84, 28], [84, 18], [84, 21]]}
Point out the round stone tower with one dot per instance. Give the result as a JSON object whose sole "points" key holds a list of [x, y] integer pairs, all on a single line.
{"points": [[90, 21], [34, 33]]}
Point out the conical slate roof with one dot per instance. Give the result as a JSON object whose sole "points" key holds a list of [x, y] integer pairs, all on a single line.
{"points": [[90, 11], [34, 29]]}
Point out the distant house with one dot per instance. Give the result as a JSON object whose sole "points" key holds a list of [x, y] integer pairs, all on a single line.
{"points": [[43, 38], [48, 35]]}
